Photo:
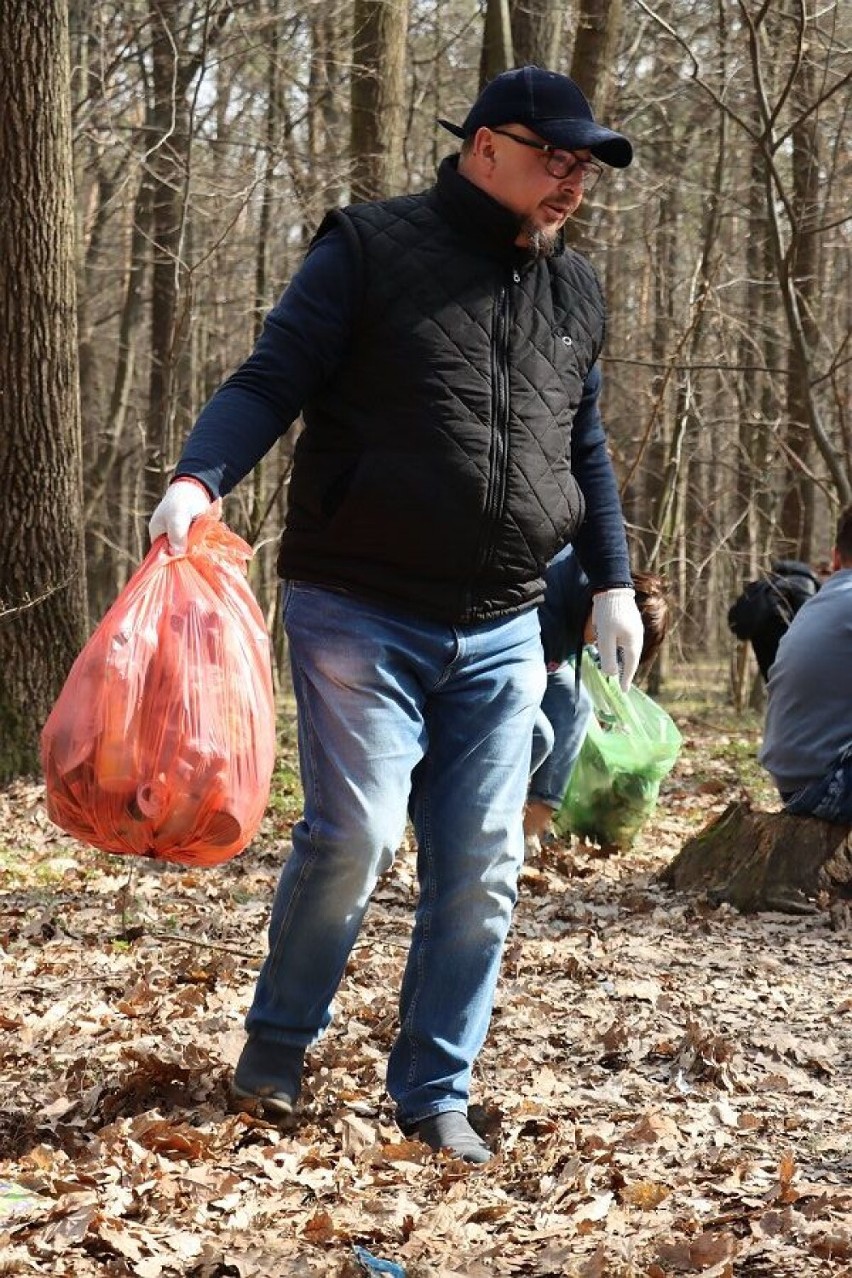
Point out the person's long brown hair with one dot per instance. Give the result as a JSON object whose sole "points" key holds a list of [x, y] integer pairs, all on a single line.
{"points": [[653, 604]]}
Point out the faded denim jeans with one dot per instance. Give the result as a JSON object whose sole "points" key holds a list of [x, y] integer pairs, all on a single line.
{"points": [[399, 716], [560, 728], [829, 799]]}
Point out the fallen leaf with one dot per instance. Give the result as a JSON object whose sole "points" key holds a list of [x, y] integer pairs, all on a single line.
{"points": [[644, 1194]]}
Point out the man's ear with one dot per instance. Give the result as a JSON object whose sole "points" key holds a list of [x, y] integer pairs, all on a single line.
{"points": [[483, 145], [835, 560]]}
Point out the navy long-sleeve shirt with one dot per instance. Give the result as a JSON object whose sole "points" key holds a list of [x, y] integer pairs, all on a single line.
{"points": [[303, 342]]}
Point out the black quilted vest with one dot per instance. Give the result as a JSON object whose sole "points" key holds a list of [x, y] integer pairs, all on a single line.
{"points": [[434, 471]]}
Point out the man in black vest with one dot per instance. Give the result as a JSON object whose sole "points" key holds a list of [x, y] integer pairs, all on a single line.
{"points": [[442, 349]]}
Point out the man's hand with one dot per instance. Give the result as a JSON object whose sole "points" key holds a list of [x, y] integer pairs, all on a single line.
{"points": [[618, 627], [185, 499]]}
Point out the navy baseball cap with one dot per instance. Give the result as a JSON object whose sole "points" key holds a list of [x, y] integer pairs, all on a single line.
{"points": [[553, 106]]}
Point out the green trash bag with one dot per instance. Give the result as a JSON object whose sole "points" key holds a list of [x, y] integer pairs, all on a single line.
{"points": [[630, 745]]}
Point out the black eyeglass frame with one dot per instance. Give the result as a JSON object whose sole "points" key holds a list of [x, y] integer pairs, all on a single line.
{"points": [[590, 170]]}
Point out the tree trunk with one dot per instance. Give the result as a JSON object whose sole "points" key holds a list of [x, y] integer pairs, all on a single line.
{"points": [[783, 221], [174, 65], [329, 35], [797, 509], [676, 518], [598, 30], [655, 444], [537, 27], [168, 162], [593, 60], [496, 55], [764, 861], [42, 571], [128, 340], [378, 97], [257, 488], [752, 504]]}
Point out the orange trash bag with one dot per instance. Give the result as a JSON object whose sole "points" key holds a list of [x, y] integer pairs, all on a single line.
{"points": [[162, 741]]}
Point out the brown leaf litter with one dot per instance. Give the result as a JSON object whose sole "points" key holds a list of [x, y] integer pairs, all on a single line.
{"points": [[667, 1085]]}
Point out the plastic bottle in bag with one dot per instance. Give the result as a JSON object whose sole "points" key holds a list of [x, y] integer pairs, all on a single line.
{"points": [[117, 767]]}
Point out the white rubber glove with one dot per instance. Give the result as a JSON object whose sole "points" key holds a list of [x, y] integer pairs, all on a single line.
{"points": [[619, 630], [184, 500]]}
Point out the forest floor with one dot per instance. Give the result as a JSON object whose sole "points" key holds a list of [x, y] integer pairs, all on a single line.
{"points": [[667, 1084]]}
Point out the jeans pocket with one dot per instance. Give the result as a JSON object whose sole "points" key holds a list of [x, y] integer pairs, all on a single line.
{"points": [[286, 597]]}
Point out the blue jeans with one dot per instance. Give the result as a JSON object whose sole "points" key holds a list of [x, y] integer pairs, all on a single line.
{"points": [[829, 799], [396, 716], [559, 731]]}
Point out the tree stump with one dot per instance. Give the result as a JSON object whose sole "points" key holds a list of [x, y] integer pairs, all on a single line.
{"points": [[765, 861]]}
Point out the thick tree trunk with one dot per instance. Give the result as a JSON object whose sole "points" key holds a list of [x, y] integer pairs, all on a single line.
{"points": [[598, 26], [537, 27], [765, 861], [330, 40], [593, 60], [378, 97], [42, 578], [496, 55]]}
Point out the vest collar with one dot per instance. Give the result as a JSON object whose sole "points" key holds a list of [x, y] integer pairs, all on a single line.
{"points": [[477, 214]]}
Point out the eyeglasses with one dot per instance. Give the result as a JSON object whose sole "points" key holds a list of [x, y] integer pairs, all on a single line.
{"points": [[560, 164]]}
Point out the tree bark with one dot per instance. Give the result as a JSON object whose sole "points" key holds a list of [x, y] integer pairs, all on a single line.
{"points": [[782, 221], [496, 55], [42, 571], [593, 60], [753, 505], [174, 66], [378, 97], [797, 508], [598, 30], [764, 861], [168, 164], [330, 38], [537, 27]]}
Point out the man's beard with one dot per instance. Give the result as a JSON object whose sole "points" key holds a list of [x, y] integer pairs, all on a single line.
{"points": [[539, 242]]}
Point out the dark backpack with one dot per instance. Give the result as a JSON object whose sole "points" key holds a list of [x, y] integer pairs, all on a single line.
{"points": [[771, 602]]}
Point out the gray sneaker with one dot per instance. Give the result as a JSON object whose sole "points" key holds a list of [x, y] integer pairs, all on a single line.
{"points": [[270, 1074]]}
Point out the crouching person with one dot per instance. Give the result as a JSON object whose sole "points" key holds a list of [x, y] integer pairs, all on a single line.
{"points": [[807, 740]]}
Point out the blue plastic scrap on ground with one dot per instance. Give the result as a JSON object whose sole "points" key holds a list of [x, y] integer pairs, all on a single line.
{"points": [[376, 1265]]}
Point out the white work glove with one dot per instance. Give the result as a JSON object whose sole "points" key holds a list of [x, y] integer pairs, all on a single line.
{"points": [[619, 630], [184, 500]]}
